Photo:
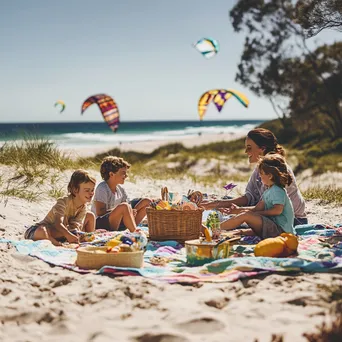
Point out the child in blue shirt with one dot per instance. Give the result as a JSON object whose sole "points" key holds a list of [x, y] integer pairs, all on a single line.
{"points": [[274, 214]]}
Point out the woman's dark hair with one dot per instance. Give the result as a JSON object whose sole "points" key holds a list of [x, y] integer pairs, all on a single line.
{"points": [[274, 164], [267, 140]]}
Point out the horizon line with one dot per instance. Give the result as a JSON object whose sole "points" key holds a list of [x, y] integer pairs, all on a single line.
{"points": [[82, 122]]}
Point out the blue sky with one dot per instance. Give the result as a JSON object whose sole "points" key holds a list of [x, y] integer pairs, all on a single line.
{"points": [[137, 51]]}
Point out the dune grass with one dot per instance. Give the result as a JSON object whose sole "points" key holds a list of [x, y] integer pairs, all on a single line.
{"points": [[328, 194], [34, 161], [32, 152]]}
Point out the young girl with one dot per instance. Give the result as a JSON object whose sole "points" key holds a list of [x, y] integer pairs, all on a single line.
{"points": [[274, 214], [111, 206], [259, 142], [68, 214]]}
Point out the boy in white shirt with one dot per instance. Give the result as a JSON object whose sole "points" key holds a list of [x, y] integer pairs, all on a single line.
{"points": [[111, 206]]}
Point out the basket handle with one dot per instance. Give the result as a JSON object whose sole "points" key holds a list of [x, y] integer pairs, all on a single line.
{"points": [[164, 194]]}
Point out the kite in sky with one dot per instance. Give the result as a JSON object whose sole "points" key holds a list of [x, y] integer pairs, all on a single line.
{"points": [[219, 97], [61, 105], [108, 108], [207, 47]]}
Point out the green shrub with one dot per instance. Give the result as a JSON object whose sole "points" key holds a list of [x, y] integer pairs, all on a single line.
{"points": [[328, 194]]}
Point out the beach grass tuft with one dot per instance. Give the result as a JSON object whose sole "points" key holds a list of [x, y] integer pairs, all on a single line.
{"points": [[328, 194], [34, 161], [33, 151], [56, 192], [21, 192]]}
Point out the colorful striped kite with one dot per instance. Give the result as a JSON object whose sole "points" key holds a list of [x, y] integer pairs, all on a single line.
{"points": [[219, 97], [108, 107]]}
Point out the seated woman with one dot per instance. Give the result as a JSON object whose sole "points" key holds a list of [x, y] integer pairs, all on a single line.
{"points": [[259, 142], [111, 206]]}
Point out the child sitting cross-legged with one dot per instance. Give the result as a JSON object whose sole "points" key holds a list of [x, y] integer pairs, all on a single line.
{"points": [[273, 214], [111, 206], [69, 214]]}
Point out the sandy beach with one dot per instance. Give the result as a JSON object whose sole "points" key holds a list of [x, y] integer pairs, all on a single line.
{"points": [[41, 302]]}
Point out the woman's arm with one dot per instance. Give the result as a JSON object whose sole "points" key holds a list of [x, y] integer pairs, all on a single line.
{"points": [[234, 209], [239, 201]]}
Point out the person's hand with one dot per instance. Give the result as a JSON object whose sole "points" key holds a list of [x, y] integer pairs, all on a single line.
{"points": [[207, 205], [72, 238], [135, 211], [231, 210], [224, 211]]}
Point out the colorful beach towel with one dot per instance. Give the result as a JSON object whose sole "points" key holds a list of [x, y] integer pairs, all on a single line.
{"points": [[315, 254]]}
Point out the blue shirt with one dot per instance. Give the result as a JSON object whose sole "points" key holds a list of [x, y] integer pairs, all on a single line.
{"points": [[277, 195], [255, 188]]}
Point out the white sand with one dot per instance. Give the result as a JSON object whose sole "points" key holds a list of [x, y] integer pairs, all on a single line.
{"points": [[44, 303]]}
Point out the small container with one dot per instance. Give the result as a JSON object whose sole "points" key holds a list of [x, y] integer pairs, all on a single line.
{"points": [[96, 257], [199, 253]]}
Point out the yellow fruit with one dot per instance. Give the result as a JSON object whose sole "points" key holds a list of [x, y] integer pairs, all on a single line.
{"points": [[291, 241], [113, 243], [271, 247], [207, 234]]}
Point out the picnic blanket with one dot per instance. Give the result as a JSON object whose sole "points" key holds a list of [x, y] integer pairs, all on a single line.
{"points": [[320, 250]]}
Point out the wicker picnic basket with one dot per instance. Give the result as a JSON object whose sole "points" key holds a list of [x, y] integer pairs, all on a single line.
{"points": [[96, 257], [179, 225]]}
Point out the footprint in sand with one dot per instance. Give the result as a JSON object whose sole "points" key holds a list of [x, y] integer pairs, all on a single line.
{"points": [[163, 337], [61, 282], [205, 325], [5, 291], [299, 301], [218, 303]]}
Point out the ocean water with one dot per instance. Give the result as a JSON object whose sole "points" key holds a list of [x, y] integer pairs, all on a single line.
{"points": [[76, 134]]}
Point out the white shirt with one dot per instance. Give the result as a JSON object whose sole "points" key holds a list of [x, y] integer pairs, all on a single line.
{"points": [[105, 195]]}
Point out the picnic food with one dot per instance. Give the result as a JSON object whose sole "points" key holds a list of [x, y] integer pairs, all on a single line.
{"points": [[195, 196], [280, 246]]}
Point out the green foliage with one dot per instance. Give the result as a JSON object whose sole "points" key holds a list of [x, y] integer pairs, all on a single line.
{"points": [[213, 220], [56, 192], [303, 86], [21, 192], [35, 161], [32, 152], [329, 194], [312, 148], [134, 157], [317, 15]]}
